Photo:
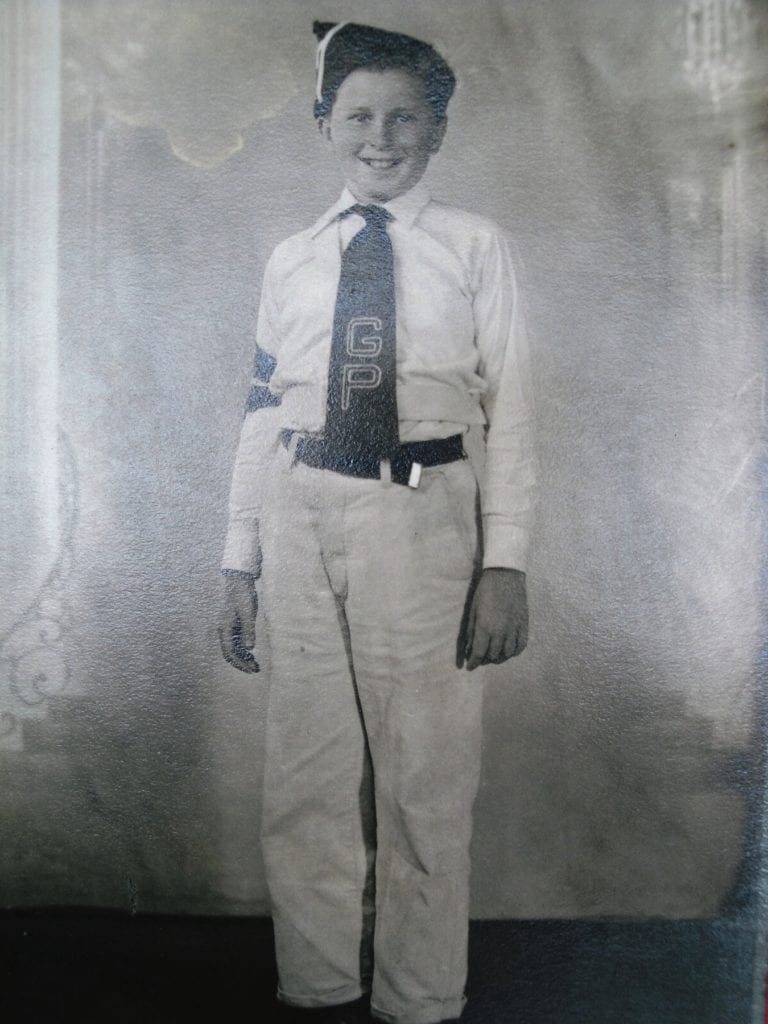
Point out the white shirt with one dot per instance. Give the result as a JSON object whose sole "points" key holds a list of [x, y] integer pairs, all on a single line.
{"points": [[462, 358]]}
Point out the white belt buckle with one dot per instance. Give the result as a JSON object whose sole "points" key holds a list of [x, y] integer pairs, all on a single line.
{"points": [[414, 478]]}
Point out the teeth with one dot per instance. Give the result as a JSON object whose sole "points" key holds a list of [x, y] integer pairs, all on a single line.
{"points": [[380, 165]]}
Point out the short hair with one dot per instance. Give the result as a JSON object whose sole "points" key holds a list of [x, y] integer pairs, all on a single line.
{"points": [[349, 47]]}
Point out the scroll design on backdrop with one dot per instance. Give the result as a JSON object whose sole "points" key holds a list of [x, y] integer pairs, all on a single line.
{"points": [[33, 667]]}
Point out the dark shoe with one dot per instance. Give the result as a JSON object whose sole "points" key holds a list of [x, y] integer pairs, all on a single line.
{"points": [[346, 1013], [453, 1020], [351, 1013]]}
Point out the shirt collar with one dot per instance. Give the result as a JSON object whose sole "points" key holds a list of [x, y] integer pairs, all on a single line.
{"points": [[404, 209]]}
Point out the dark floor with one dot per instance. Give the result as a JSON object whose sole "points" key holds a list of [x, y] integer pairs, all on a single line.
{"points": [[89, 966]]}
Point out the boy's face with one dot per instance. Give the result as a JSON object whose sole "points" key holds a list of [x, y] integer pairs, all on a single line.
{"points": [[383, 131]]}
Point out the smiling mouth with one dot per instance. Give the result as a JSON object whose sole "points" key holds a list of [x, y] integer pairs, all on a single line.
{"points": [[379, 165]]}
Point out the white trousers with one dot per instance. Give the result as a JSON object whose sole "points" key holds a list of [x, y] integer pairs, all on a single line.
{"points": [[373, 738]]}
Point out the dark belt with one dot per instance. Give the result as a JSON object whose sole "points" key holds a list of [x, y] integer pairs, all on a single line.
{"points": [[314, 452]]}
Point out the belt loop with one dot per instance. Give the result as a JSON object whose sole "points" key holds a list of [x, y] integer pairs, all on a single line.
{"points": [[414, 476], [290, 439], [385, 472]]}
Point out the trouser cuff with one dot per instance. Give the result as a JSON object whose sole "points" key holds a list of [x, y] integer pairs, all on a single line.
{"points": [[432, 1013], [337, 997]]}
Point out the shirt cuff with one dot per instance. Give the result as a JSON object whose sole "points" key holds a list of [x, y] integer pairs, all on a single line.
{"points": [[505, 544], [242, 551]]}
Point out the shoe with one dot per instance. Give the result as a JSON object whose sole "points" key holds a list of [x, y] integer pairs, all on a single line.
{"points": [[350, 1013], [346, 1013]]}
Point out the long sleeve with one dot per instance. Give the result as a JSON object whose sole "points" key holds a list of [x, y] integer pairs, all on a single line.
{"points": [[259, 437], [461, 344], [508, 487]]}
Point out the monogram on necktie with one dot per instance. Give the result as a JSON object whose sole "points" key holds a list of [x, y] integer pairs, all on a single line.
{"points": [[361, 415]]}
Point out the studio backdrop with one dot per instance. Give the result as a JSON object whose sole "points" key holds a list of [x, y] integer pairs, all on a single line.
{"points": [[154, 155]]}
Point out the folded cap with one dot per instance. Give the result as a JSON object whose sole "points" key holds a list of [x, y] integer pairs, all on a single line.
{"points": [[346, 47]]}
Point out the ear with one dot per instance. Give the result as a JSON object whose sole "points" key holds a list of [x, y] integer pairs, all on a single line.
{"points": [[324, 127], [438, 134]]}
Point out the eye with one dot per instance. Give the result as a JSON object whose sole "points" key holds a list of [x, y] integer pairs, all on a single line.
{"points": [[405, 118], [360, 116]]}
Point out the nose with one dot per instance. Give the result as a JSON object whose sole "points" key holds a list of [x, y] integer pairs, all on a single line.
{"points": [[379, 133]]}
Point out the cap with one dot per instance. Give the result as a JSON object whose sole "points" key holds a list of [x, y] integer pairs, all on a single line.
{"points": [[345, 47]]}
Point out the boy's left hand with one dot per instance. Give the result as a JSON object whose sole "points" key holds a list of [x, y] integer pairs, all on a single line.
{"points": [[497, 625]]}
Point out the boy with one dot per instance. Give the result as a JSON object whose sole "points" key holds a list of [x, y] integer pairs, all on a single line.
{"points": [[385, 332]]}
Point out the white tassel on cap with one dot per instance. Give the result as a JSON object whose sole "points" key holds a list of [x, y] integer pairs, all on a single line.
{"points": [[322, 46]]}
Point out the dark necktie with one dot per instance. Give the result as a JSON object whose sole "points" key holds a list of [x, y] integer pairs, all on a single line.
{"points": [[361, 416]]}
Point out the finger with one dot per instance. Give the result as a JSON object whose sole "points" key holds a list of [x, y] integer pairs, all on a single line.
{"points": [[495, 652], [244, 657], [244, 663], [511, 646], [521, 639], [247, 619], [460, 645], [479, 650], [247, 664], [234, 654], [470, 637], [225, 643]]}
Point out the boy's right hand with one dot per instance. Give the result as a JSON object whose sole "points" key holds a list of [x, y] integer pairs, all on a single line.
{"points": [[237, 627]]}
